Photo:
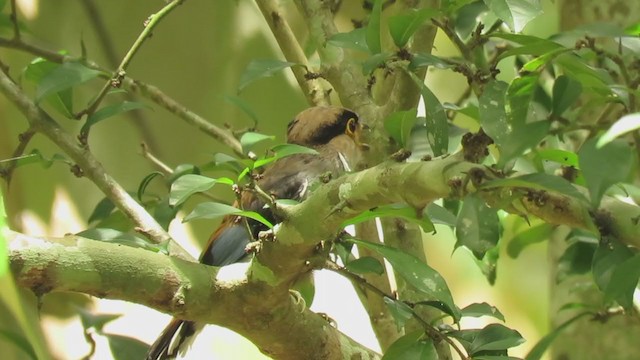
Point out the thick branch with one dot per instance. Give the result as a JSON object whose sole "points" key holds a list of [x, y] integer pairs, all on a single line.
{"points": [[273, 320]]}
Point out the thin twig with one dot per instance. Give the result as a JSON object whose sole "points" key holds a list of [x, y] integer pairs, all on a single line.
{"points": [[24, 138], [119, 74], [88, 165], [164, 168], [139, 120], [14, 20], [432, 331]]}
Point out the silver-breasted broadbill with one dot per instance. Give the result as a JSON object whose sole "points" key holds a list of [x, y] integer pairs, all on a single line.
{"points": [[334, 132]]}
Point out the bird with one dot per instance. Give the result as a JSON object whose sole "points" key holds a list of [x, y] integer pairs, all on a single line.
{"points": [[336, 135]]}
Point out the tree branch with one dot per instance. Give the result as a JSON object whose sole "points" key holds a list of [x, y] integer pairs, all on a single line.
{"points": [[313, 90], [88, 165], [271, 318]]}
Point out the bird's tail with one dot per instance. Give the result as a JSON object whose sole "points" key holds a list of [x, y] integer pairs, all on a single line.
{"points": [[168, 344]]}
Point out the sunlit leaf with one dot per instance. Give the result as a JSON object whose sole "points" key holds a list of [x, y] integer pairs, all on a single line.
{"points": [[624, 125], [112, 110], [414, 346], [482, 309], [250, 139], [372, 34], [604, 166], [403, 26], [64, 77], [258, 69], [189, 184], [477, 227], [495, 337], [515, 13], [212, 210], [283, 150], [417, 273]]}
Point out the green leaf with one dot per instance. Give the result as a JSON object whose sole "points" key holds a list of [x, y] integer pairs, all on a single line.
{"points": [[355, 39], [437, 124], [189, 184], [624, 125], [399, 125], [423, 60], [596, 79], [95, 321], [538, 181], [413, 346], [181, 170], [375, 61], [576, 260], [439, 215], [112, 110], [61, 101], [212, 210], [102, 210], [36, 157], [250, 139], [624, 281], [515, 13], [283, 150], [477, 227], [125, 348], [606, 261], [142, 188], [64, 77], [117, 237], [400, 311], [530, 236], [372, 34], [529, 45], [493, 116], [416, 273], [482, 309], [495, 337], [403, 211], [17, 340], [544, 343], [261, 68], [566, 92], [605, 166], [402, 27], [244, 106], [365, 264]]}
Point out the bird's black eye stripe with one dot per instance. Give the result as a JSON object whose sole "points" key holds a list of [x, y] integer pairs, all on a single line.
{"points": [[335, 128]]}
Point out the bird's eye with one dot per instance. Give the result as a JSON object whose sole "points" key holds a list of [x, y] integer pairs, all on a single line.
{"points": [[352, 126]]}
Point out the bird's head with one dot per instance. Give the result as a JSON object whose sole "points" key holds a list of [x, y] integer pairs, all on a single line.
{"points": [[322, 125]]}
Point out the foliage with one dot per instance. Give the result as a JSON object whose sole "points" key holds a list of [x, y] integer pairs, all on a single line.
{"points": [[560, 128]]}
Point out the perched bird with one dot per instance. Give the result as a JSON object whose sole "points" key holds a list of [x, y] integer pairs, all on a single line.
{"points": [[334, 132]]}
